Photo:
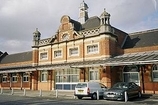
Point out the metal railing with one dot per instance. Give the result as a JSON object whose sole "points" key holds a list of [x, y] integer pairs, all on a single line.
{"points": [[38, 93]]}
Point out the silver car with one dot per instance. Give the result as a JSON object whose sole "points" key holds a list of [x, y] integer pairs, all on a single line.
{"points": [[117, 92]]}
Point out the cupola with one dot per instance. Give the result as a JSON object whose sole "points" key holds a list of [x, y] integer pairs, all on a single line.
{"points": [[105, 18], [36, 37], [83, 15]]}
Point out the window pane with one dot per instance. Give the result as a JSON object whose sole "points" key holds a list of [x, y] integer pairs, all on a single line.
{"points": [[67, 75], [73, 51], [4, 78], [58, 86], [44, 75], [57, 53], [155, 72], [43, 55], [73, 86], [25, 77], [94, 74], [155, 76], [91, 75], [66, 86], [92, 48]]}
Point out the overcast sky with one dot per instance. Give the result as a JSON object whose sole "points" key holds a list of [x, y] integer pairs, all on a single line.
{"points": [[20, 18]]}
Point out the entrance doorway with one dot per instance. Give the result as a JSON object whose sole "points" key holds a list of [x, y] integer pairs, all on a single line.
{"points": [[131, 74]]}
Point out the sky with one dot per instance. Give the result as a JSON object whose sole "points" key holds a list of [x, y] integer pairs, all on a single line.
{"points": [[20, 18]]}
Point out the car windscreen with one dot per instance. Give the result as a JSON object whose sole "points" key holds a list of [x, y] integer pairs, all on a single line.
{"points": [[121, 85], [81, 85]]}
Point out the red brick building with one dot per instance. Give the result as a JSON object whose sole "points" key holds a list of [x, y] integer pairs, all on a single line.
{"points": [[90, 49]]}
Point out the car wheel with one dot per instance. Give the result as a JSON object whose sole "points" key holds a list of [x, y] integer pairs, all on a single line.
{"points": [[94, 96], [139, 94], [79, 97]]}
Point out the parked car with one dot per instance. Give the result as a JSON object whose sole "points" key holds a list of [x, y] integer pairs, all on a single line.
{"points": [[117, 92], [89, 89]]}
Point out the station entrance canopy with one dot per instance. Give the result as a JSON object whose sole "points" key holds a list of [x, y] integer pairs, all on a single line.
{"points": [[139, 58]]}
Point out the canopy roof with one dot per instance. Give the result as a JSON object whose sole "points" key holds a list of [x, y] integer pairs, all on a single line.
{"points": [[134, 59]]}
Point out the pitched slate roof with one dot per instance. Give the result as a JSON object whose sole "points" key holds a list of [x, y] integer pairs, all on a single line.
{"points": [[77, 25], [142, 39], [1, 54], [91, 23], [18, 57]]}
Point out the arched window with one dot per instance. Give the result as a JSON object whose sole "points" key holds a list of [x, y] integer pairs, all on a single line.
{"points": [[44, 76], [155, 73], [131, 74], [131, 68]]}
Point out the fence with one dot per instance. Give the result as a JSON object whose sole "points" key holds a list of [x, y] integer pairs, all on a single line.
{"points": [[39, 93]]}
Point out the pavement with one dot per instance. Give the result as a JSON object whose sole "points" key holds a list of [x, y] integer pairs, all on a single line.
{"points": [[54, 93]]}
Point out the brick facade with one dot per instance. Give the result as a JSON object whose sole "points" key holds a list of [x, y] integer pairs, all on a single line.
{"points": [[76, 53]]}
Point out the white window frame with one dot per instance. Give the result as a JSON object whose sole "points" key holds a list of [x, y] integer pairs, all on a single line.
{"points": [[25, 77], [75, 49], [14, 78], [94, 70], [44, 76], [91, 48], [57, 53], [44, 57], [4, 78], [154, 70], [66, 76]]}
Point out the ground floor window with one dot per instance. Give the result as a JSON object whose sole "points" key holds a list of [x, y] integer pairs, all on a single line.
{"points": [[25, 77], [93, 74], [66, 79], [4, 78], [131, 74], [65, 86], [155, 73], [44, 76], [14, 77]]}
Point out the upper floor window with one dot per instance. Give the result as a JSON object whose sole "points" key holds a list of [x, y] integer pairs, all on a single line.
{"points": [[92, 48], [44, 76], [57, 54], [73, 51], [44, 55], [93, 74], [155, 73]]}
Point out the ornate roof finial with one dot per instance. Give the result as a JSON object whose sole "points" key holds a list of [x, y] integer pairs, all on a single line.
{"points": [[37, 32], [104, 9]]}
